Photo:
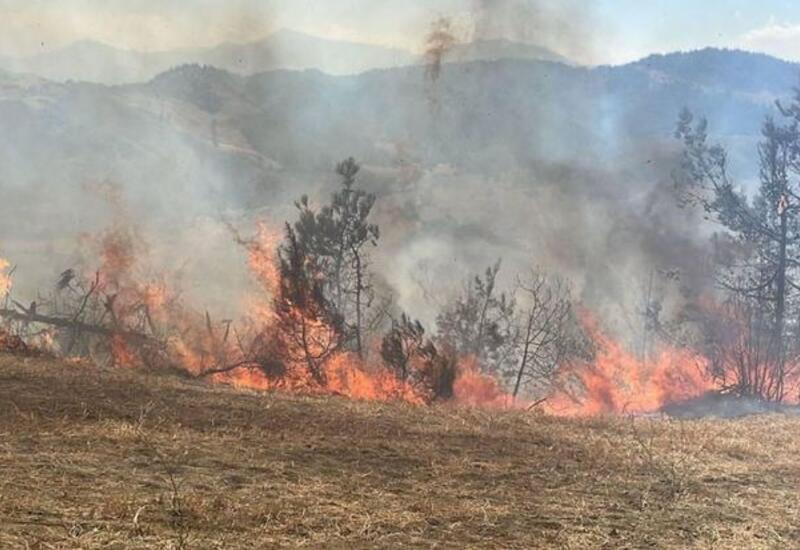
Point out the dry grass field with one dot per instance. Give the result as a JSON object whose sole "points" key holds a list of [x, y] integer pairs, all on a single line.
{"points": [[122, 459]]}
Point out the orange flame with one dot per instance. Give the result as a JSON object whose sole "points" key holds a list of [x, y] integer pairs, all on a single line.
{"points": [[614, 382], [472, 388], [618, 382], [121, 353], [261, 257], [246, 378], [117, 255], [5, 279], [349, 376]]}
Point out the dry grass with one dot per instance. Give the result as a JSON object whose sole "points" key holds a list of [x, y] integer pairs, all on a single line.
{"points": [[113, 459]]}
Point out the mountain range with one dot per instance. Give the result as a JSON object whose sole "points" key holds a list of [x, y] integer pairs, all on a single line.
{"points": [[285, 49], [477, 116]]}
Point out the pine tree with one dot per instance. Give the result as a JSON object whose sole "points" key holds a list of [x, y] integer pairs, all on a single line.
{"points": [[337, 236], [763, 233]]}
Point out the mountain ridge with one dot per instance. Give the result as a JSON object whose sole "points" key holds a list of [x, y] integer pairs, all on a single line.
{"points": [[94, 61]]}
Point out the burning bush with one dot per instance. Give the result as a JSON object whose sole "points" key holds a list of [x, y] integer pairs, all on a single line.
{"points": [[416, 361]]}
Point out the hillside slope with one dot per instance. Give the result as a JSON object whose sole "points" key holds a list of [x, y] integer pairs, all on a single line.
{"points": [[478, 116], [122, 459], [96, 62], [219, 138]]}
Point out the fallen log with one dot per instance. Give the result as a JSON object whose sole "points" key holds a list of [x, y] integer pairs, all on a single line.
{"points": [[536, 403], [71, 323]]}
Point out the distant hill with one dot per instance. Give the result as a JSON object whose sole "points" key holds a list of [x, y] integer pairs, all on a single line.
{"points": [[96, 62], [738, 70], [494, 50], [493, 112], [477, 114]]}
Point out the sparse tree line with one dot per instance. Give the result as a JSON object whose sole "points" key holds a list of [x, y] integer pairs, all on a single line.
{"points": [[325, 303]]}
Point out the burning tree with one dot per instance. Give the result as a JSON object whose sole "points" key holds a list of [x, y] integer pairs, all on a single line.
{"points": [[415, 359], [762, 238], [548, 333], [403, 344], [336, 237], [309, 326]]}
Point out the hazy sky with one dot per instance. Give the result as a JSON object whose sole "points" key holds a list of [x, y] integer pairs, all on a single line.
{"points": [[590, 30]]}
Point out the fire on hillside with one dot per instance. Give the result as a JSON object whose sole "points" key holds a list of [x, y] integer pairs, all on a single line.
{"points": [[123, 318], [318, 322]]}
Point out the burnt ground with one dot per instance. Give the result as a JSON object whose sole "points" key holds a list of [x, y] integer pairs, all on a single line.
{"points": [[122, 459]]}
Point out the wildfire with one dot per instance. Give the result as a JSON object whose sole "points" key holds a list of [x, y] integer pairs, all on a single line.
{"points": [[349, 376], [261, 256], [121, 353], [246, 378], [472, 388], [615, 381], [117, 255], [618, 382]]}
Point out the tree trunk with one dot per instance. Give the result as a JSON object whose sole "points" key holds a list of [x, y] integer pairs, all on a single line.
{"points": [[780, 308], [524, 361], [359, 282]]}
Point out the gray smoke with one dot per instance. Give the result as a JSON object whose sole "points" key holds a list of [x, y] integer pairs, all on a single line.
{"points": [[608, 232], [520, 161], [565, 26]]}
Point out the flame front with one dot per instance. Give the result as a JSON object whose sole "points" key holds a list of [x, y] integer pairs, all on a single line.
{"points": [[614, 381], [473, 388], [617, 381]]}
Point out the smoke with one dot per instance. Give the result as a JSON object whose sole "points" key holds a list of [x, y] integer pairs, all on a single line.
{"points": [[438, 43], [607, 231], [564, 26], [35, 27], [530, 163], [600, 212]]}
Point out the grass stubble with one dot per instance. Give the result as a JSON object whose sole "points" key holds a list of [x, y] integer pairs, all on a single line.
{"points": [[110, 458]]}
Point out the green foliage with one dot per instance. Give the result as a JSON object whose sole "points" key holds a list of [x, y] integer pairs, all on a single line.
{"points": [[335, 237], [310, 328]]}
